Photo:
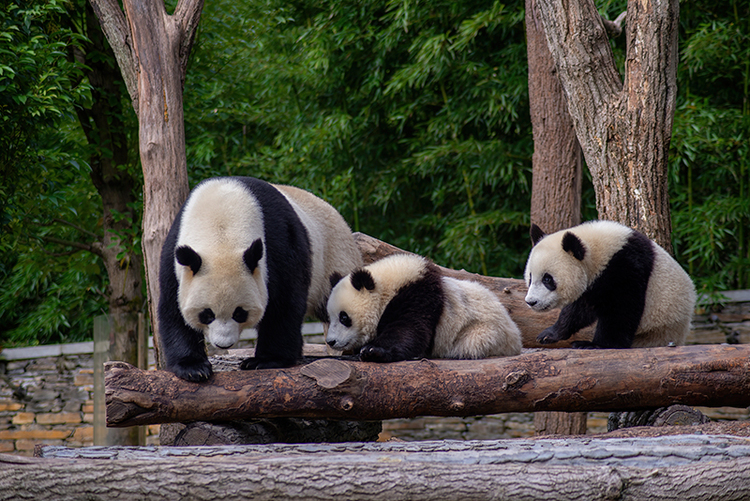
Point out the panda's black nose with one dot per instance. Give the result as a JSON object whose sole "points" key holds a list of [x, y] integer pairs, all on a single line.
{"points": [[532, 302], [331, 343]]}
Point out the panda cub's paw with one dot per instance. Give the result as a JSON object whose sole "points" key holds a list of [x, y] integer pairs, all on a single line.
{"points": [[371, 353], [549, 336], [196, 372]]}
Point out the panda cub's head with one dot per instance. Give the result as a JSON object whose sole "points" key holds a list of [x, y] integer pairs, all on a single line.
{"points": [[221, 293], [354, 310], [556, 271]]}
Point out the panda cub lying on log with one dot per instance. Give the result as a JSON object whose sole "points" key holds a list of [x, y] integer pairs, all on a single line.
{"points": [[402, 308], [606, 272]]}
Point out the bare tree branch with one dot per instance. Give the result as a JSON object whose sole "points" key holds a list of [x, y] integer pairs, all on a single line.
{"points": [[115, 26], [93, 248], [76, 227], [188, 14]]}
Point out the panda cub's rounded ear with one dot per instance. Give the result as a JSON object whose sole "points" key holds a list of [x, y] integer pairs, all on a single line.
{"points": [[571, 243], [334, 279], [536, 234], [362, 278], [253, 254], [186, 256]]}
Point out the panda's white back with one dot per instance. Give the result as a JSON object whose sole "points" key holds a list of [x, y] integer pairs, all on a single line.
{"points": [[669, 306], [331, 242]]}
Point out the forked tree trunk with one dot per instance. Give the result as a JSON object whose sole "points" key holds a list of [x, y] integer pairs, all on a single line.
{"points": [[152, 49], [556, 173], [624, 127]]}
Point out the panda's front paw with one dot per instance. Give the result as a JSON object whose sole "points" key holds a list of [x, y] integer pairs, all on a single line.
{"points": [[549, 336], [370, 353], [196, 372]]}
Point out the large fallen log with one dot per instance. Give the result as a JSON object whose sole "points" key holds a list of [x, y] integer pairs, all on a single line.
{"points": [[542, 380], [684, 467], [510, 291]]}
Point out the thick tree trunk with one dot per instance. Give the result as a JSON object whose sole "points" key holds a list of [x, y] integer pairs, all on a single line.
{"points": [[556, 162], [684, 467], [624, 129], [561, 380], [152, 49], [105, 131], [510, 291], [555, 172]]}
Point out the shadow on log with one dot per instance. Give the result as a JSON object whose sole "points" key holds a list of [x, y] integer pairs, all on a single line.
{"points": [[542, 380], [510, 291]]}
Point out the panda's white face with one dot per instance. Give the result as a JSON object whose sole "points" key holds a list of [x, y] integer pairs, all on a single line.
{"points": [[222, 298], [354, 316], [562, 265], [555, 278]]}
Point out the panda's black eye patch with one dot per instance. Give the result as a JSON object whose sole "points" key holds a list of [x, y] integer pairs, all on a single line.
{"points": [[344, 319], [239, 315], [206, 316], [549, 282]]}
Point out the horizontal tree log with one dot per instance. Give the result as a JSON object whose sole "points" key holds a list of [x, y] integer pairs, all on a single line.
{"points": [[510, 291], [541, 380], [682, 467]]}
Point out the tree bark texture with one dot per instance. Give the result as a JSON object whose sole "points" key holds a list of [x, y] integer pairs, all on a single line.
{"points": [[683, 467], [624, 128], [542, 380], [510, 291], [152, 49]]}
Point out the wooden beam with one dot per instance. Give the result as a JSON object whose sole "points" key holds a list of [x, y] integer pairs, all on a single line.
{"points": [[684, 467], [541, 380]]}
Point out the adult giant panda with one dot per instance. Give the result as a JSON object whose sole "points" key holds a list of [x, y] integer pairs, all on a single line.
{"points": [[606, 272], [401, 307], [243, 253]]}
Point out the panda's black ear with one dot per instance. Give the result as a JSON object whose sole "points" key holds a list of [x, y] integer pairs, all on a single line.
{"points": [[253, 254], [573, 244], [536, 234], [335, 278], [186, 256], [362, 278]]}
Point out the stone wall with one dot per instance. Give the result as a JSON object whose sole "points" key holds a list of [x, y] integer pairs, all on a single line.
{"points": [[46, 401]]}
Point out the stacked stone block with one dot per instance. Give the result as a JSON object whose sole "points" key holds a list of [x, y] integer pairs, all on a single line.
{"points": [[46, 401]]}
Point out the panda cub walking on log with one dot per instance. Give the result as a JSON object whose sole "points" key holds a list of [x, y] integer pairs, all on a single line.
{"points": [[243, 253], [401, 308], [606, 272]]}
